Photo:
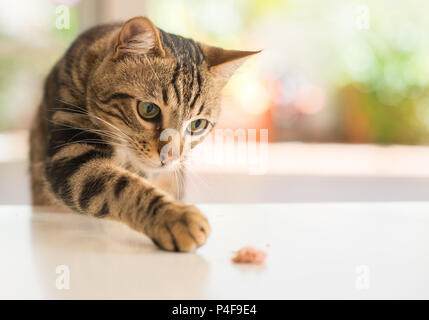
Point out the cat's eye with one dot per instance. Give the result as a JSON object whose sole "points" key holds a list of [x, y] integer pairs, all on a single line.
{"points": [[198, 126], [148, 110]]}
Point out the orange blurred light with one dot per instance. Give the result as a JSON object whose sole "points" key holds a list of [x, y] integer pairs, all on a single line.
{"points": [[310, 99], [253, 97]]}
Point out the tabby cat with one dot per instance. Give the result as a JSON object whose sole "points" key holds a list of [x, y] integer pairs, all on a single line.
{"points": [[97, 141]]}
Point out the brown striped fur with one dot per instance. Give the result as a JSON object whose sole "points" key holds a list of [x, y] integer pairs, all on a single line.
{"points": [[93, 154]]}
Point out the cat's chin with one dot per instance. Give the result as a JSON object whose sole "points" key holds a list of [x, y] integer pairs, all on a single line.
{"points": [[146, 165], [149, 167], [160, 169]]}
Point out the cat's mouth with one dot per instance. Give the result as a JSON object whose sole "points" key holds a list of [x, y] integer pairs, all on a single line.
{"points": [[153, 165], [172, 165], [150, 167]]}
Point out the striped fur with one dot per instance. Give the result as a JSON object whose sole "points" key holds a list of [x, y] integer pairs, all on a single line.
{"points": [[92, 153]]}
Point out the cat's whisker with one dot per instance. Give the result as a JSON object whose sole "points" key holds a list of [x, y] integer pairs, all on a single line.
{"points": [[99, 132], [91, 141], [181, 176], [80, 109], [113, 126], [198, 181], [85, 112], [176, 179]]}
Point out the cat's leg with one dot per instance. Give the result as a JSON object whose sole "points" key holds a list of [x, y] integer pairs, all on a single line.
{"points": [[85, 178]]}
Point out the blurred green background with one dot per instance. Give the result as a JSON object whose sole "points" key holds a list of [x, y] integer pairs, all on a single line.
{"points": [[331, 71]]}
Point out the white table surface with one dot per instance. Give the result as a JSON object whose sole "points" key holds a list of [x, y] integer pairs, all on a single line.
{"points": [[329, 250]]}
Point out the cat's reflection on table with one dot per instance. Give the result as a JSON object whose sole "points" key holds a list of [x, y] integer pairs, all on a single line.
{"points": [[107, 260]]}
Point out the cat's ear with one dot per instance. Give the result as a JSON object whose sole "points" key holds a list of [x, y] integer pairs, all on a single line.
{"points": [[139, 35], [223, 63]]}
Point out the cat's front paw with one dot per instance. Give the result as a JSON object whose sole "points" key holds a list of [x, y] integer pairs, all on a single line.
{"points": [[181, 228]]}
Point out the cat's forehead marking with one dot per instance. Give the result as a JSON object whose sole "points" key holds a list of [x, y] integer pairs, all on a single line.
{"points": [[186, 77], [186, 51]]}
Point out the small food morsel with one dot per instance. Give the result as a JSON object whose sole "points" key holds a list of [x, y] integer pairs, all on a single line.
{"points": [[249, 255]]}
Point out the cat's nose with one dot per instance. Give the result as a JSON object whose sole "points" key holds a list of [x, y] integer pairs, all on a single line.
{"points": [[171, 152], [166, 158]]}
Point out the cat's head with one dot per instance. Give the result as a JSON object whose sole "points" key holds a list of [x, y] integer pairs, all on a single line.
{"points": [[158, 93]]}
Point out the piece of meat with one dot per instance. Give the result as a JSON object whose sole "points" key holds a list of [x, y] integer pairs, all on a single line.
{"points": [[249, 255]]}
